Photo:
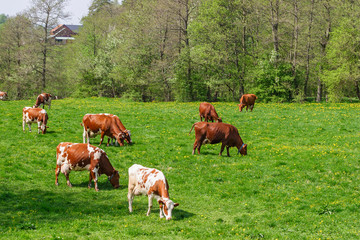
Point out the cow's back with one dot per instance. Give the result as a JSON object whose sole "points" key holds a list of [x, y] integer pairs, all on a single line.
{"points": [[96, 121]]}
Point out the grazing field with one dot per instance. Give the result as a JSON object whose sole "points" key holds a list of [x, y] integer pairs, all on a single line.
{"points": [[300, 179]]}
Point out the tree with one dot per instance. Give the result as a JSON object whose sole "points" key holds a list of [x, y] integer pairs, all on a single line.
{"points": [[45, 14]]}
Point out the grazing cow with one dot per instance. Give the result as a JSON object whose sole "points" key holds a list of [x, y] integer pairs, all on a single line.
{"points": [[82, 156], [150, 182], [31, 115], [208, 112], [44, 99], [3, 95], [247, 100], [127, 133], [104, 124], [213, 133]]}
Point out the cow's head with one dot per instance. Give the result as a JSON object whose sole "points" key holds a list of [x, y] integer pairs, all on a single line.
{"points": [[114, 179], [241, 106], [243, 149], [126, 135], [166, 205], [43, 128]]}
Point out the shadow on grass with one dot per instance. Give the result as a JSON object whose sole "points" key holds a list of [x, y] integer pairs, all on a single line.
{"points": [[103, 186], [22, 209]]}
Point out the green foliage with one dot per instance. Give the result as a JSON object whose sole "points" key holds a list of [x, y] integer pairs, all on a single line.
{"points": [[343, 55], [273, 80], [300, 176]]}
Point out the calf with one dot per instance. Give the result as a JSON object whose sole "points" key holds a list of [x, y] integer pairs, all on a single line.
{"points": [[3, 95], [150, 182], [247, 100], [31, 115], [82, 156], [44, 99], [214, 133], [208, 112], [104, 124]]}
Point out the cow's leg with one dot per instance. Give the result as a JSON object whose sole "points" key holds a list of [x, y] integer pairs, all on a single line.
{"points": [[130, 195], [195, 146], [67, 179], [222, 148], [161, 213], [23, 125], [90, 178], [84, 136], [251, 108], [102, 137], [108, 143], [57, 172], [49, 105], [227, 149], [150, 196], [39, 127], [29, 124]]}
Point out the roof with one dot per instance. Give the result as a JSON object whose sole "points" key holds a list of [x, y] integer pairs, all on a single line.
{"points": [[74, 28]]}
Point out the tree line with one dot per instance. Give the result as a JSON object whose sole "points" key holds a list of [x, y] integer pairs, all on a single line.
{"points": [[187, 50]]}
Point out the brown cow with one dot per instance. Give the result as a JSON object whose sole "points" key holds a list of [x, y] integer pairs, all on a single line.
{"points": [[44, 99], [207, 111], [247, 100], [104, 124], [127, 133], [150, 182], [3, 95], [214, 133], [82, 156], [31, 115]]}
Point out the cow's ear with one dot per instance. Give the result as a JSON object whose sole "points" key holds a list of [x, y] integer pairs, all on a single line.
{"points": [[176, 204]]}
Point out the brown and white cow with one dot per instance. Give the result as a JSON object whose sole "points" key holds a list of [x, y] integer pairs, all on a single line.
{"points": [[150, 182], [82, 156], [207, 111], [3, 95], [247, 100], [104, 124], [44, 99], [214, 133], [32, 115]]}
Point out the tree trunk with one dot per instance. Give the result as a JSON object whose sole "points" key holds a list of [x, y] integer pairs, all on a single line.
{"points": [[308, 48], [275, 23], [296, 40], [357, 89]]}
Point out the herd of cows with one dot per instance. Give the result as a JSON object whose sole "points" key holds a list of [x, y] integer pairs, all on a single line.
{"points": [[142, 180]]}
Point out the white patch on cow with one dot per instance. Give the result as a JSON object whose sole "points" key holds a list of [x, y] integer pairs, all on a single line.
{"points": [[95, 170], [81, 168], [97, 154], [43, 111], [90, 149]]}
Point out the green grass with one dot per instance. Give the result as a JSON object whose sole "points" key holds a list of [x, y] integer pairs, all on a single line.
{"points": [[300, 179]]}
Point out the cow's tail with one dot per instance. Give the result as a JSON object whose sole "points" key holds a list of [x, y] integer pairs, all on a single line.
{"points": [[192, 128]]}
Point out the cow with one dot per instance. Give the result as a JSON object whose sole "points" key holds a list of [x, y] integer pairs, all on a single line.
{"points": [[247, 100], [208, 112], [150, 182], [3, 95], [127, 133], [214, 133], [82, 156], [44, 99], [104, 124], [31, 115]]}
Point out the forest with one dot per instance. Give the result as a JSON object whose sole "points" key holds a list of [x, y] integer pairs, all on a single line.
{"points": [[187, 50]]}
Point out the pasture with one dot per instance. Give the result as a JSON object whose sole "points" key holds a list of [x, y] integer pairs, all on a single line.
{"points": [[300, 179]]}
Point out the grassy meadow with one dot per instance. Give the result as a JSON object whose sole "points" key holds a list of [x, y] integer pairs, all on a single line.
{"points": [[300, 179]]}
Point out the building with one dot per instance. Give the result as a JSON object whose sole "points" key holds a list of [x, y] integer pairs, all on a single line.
{"points": [[63, 34]]}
